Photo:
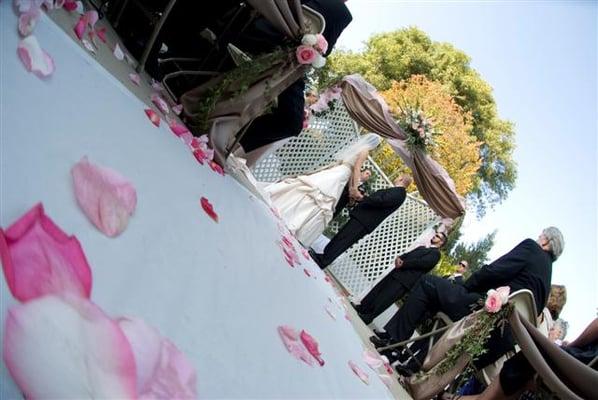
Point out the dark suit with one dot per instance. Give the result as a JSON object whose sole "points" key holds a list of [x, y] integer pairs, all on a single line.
{"points": [[286, 120], [396, 284], [343, 201], [526, 266], [365, 217], [455, 279]]}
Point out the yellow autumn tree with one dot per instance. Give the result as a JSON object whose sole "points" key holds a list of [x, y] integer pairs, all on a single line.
{"points": [[457, 149]]}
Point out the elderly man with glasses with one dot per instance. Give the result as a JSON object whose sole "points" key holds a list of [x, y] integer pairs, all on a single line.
{"points": [[409, 267]]}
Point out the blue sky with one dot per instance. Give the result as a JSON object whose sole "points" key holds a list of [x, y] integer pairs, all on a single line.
{"points": [[540, 58]]}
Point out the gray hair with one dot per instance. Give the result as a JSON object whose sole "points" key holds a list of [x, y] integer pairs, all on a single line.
{"points": [[563, 326], [555, 240]]}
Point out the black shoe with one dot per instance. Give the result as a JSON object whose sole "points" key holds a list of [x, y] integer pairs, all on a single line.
{"points": [[365, 318], [379, 342], [316, 257], [391, 354], [382, 334]]}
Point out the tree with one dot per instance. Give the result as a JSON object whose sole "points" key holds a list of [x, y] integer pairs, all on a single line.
{"points": [[396, 56], [457, 151], [476, 254]]}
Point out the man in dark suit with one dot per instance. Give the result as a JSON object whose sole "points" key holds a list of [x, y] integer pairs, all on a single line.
{"points": [[457, 276], [365, 217], [343, 201], [527, 266], [286, 119], [409, 267]]}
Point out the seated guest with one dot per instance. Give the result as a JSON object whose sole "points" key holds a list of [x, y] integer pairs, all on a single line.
{"points": [[527, 266], [457, 276], [344, 200], [517, 373], [409, 267]]}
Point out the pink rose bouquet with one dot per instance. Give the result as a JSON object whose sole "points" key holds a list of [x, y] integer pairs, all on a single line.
{"points": [[311, 50]]}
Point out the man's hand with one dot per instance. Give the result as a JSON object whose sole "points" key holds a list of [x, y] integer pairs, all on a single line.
{"points": [[398, 262], [355, 194]]}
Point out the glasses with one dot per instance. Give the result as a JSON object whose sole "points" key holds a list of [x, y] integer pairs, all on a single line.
{"points": [[463, 264]]}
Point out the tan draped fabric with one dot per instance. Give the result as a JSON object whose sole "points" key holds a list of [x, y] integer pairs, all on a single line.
{"points": [[232, 111], [369, 110], [566, 376]]}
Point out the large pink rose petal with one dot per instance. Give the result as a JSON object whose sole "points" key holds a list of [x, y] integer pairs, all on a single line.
{"points": [[59, 348], [38, 258], [359, 372], [290, 339], [34, 58], [28, 20], [107, 198], [101, 34], [311, 345], [178, 129], [163, 372]]}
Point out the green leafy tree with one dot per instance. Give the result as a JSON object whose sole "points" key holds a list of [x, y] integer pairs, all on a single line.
{"points": [[396, 56], [476, 254]]}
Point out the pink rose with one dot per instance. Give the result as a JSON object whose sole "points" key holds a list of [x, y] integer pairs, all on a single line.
{"points": [[305, 54], [493, 301], [321, 43]]}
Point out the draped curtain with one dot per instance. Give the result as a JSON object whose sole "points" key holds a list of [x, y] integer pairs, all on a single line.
{"points": [[368, 109]]}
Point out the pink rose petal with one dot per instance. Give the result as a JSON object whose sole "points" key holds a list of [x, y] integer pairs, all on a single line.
{"points": [[199, 155], [118, 53], [178, 129], [107, 198], [135, 78], [216, 168], [80, 27], [157, 86], [163, 372], [177, 109], [67, 349], [26, 5], [160, 103], [359, 372], [209, 209], [91, 17], [34, 58], [101, 34], [290, 339], [305, 253], [372, 359], [151, 114], [28, 20], [38, 258], [311, 345], [306, 272], [186, 137]]}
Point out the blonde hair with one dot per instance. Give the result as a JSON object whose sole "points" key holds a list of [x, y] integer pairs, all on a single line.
{"points": [[556, 300]]}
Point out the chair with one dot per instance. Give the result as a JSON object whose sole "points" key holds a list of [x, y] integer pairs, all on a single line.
{"points": [[564, 375], [524, 305]]}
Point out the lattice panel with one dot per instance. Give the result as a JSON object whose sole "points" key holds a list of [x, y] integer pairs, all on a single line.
{"points": [[363, 263], [312, 149]]}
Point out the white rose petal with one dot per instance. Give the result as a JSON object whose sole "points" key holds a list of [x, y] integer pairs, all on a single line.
{"points": [[309, 39], [319, 61]]}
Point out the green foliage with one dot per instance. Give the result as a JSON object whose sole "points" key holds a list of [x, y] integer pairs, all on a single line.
{"points": [[234, 83], [476, 254], [396, 56]]}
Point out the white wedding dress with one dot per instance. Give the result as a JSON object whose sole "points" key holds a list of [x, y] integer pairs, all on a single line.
{"points": [[306, 203]]}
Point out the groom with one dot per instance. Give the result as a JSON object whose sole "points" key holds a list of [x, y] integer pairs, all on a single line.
{"points": [[364, 218]]}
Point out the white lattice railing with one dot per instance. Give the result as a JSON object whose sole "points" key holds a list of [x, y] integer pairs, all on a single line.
{"points": [[362, 264]]}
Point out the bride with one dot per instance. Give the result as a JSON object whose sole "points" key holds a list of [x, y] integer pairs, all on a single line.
{"points": [[307, 202]]}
